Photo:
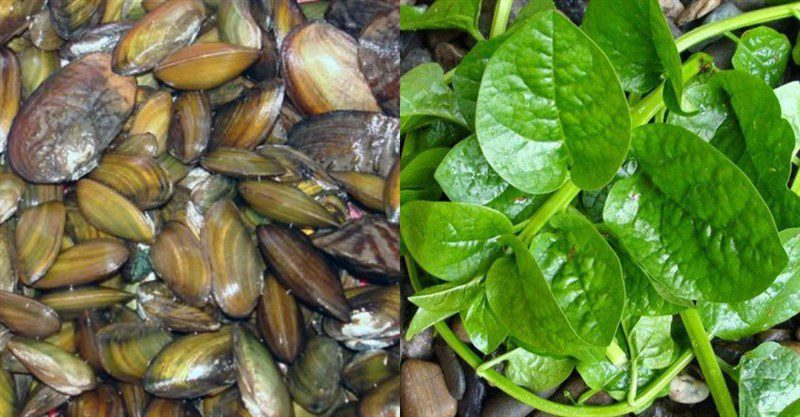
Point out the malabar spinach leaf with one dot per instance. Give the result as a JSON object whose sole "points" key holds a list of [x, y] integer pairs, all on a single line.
{"points": [[453, 241], [769, 380], [642, 296], [789, 99], [443, 14], [484, 329], [521, 298], [416, 178], [650, 341], [423, 319], [616, 381], [780, 302], [550, 108], [764, 53], [538, 373], [693, 220], [793, 410], [424, 97], [451, 296], [439, 134], [469, 73], [584, 275]]}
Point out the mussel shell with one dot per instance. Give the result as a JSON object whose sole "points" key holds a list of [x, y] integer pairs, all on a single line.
{"points": [[126, 349], [159, 306], [36, 66], [101, 38], [102, 401], [92, 104], [72, 17], [366, 188], [241, 163], [208, 188], [247, 122], [320, 66], [41, 400], [384, 401], [227, 404], [369, 246], [42, 32], [190, 129], [10, 92], [374, 321], [182, 209], [38, 239], [27, 317], [134, 397], [193, 366], [367, 370], [230, 91], [314, 380], [112, 213], [141, 179], [70, 302], [286, 15], [78, 228], [83, 263], [14, 17], [53, 366], [260, 381], [391, 194], [8, 398], [36, 194], [218, 62], [236, 24], [180, 259], [89, 323], [280, 321], [285, 203], [153, 116], [122, 10], [349, 141], [236, 265], [379, 59], [161, 407], [303, 270], [161, 32], [11, 189], [144, 144], [353, 15], [8, 260]]}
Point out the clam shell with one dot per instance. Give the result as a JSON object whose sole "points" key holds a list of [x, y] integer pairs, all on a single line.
{"points": [[41, 400], [161, 32], [112, 213], [126, 349], [258, 377], [14, 17], [153, 116], [230, 91], [141, 179], [11, 189], [8, 260], [182, 209], [101, 38], [303, 270], [379, 59], [52, 365], [36, 194], [102, 401], [236, 265], [218, 62], [36, 65], [71, 302], [391, 194], [237, 25], [320, 65], [384, 401], [180, 259], [369, 246], [366, 188], [83, 263], [42, 32], [10, 91], [280, 321], [8, 398], [241, 163], [144, 144], [286, 204], [286, 14], [161, 407], [38, 239], [373, 322], [78, 228], [134, 397], [247, 122], [193, 366], [314, 380], [158, 306], [72, 17], [190, 129], [92, 104], [227, 404], [89, 323], [27, 317], [367, 370]]}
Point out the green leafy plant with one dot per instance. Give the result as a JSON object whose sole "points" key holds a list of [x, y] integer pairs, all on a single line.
{"points": [[685, 229]]}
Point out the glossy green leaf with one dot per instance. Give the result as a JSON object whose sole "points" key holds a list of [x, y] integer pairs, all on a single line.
{"points": [[453, 241], [584, 275], [635, 36], [424, 97], [423, 319], [789, 98], [764, 53], [521, 298], [416, 178], [712, 112], [780, 302], [793, 410], [604, 376], [484, 329], [451, 296], [693, 220], [769, 380], [650, 341], [469, 73], [443, 14], [642, 297], [466, 177], [550, 108], [538, 373], [439, 134]]}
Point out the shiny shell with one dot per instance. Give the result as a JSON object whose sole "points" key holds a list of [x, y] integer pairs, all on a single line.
{"points": [[368, 246], [83, 263], [367, 370], [260, 382], [218, 62], [320, 65], [110, 212], [134, 397], [27, 317], [286, 14], [14, 17], [374, 320], [237, 25], [36, 66], [69, 302], [38, 239], [10, 92], [73, 17], [193, 366], [89, 323], [8, 398], [379, 59], [41, 400], [280, 321], [43, 33], [11, 189], [8, 261], [236, 265], [53, 366], [286, 204], [161, 32], [92, 104], [157, 305], [102, 401], [153, 116], [241, 163], [161, 407], [384, 401], [180, 259], [97, 39], [126, 349], [141, 179], [227, 404], [247, 122], [366, 188], [190, 129], [144, 144], [315, 378]]}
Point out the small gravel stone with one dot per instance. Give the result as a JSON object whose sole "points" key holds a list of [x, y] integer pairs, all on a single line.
{"points": [[448, 55], [774, 335], [451, 368], [423, 392], [414, 58], [501, 405], [671, 8], [686, 389], [747, 5], [472, 404], [696, 10], [420, 346]]}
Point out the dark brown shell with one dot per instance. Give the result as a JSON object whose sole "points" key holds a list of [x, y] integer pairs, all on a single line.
{"points": [[14, 17], [368, 246], [101, 38], [66, 124], [352, 15], [190, 129], [379, 59], [72, 17]]}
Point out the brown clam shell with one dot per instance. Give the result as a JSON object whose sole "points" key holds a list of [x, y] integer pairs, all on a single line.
{"points": [[27, 317], [89, 323], [236, 265], [366, 188], [180, 259], [379, 59], [218, 62], [236, 24], [144, 144], [226, 404], [157, 305], [320, 65], [247, 122], [102, 401], [11, 189], [134, 397], [241, 163], [14, 17], [160, 33], [367, 370], [83, 263], [190, 129], [141, 179], [162, 407], [285, 203], [126, 349], [36, 66], [391, 194], [259, 380], [78, 228], [286, 14], [383, 401], [38, 239], [101, 38], [92, 104], [369, 246], [303, 270], [314, 380], [42, 32], [280, 321], [10, 92], [230, 91], [41, 400], [52, 365], [72, 17], [112, 213], [8, 399], [153, 116], [70, 302], [8, 260], [374, 321]]}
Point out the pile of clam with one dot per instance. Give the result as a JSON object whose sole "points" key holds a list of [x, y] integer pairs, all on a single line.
{"points": [[198, 208]]}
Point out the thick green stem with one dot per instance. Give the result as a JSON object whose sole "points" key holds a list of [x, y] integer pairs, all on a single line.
{"points": [[557, 202], [646, 108], [708, 362], [616, 355], [650, 393], [502, 12]]}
